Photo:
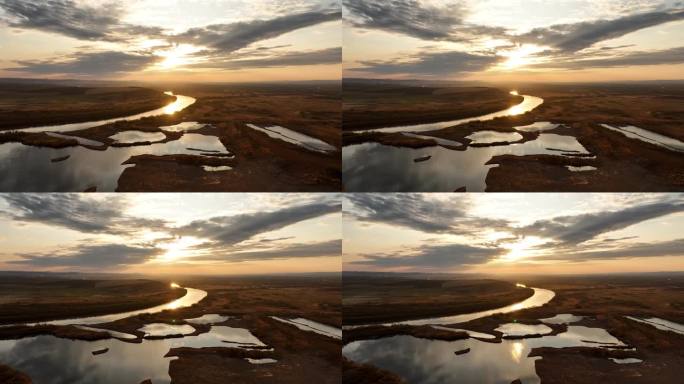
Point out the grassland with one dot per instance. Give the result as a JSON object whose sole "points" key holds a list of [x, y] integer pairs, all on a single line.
{"points": [[376, 299], [250, 302], [604, 300], [37, 104], [377, 105], [261, 163], [32, 299]]}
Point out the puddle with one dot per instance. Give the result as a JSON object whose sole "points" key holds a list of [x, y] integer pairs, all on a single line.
{"points": [[627, 361], [184, 127], [586, 168], [488, 137], [80, 140], [290, 136], [373, 167], [208, 319], [478, 335], [221, 168], [663, 325], [529, 103], [564, 318], [51, 360], [438, 140], [649, 137], [517, 329], [261, 361], [130, 137], [85, 168], [312, 326], [434, 361], [161, 329], [539, 126], [118, 335]]}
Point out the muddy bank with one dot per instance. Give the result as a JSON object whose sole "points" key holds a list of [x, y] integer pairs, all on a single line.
{"points": [[11, 376], [421, 332], [355, 373]]}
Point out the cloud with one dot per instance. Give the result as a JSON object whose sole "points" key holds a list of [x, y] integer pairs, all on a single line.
{"points": [[410, 210], [580, 228], [286, 251], [228, 38], [73, 19], [90, 257], [577, 36], [656, 249], [665, 56], [89, 63], [323, 56], [433, 257], [76, 212], [430, 64], [230, 230]]}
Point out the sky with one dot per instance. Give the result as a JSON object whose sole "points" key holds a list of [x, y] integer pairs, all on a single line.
{"points": [[229, 233], [514, 40], [509, 233], [158, 40]]}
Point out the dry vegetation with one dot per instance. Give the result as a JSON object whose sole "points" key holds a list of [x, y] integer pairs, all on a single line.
{"points": [[27, 105], [31, 299], [368, 105], [377, 299]]}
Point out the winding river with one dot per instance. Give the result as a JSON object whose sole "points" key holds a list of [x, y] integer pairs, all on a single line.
{"points": [[529, 103], [181, 103]]}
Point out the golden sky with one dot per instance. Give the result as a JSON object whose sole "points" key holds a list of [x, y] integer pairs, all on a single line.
{"points": [[194, 233], [504, 40], [218, 40], [513, 232]]}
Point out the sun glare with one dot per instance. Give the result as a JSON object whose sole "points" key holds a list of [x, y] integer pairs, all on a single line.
{"points": [[178, 249], [521, 249], [520, 57], [176, 57]]}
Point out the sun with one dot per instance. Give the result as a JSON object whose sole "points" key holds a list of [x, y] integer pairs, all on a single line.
{"points": [[521, 56], [178, 249], [176, 57], [521, 249]]}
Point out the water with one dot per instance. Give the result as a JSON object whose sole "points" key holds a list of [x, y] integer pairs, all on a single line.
{"points": [[181, 103], [529, 103], [80, 140], [647, 136], [161, 329], [627, 361], [220, 168], [312, 326], [477, 335], [438, 140], [129, 137], [585, 168], [85, 167], [192, 296], [373, 167], [564, 318], [539, 126], [51, 360], [664, 325], [434, 362], [184, 127], [488, 137], [517, 329], [290, 136], [208, 319]]}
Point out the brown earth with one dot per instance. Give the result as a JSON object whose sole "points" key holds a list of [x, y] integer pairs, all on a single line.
{"points": [[369, 106], [624, 164], [28, 105], [31, 299], [604, 300], [262, 164], [11, 376], [377, 299]]}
